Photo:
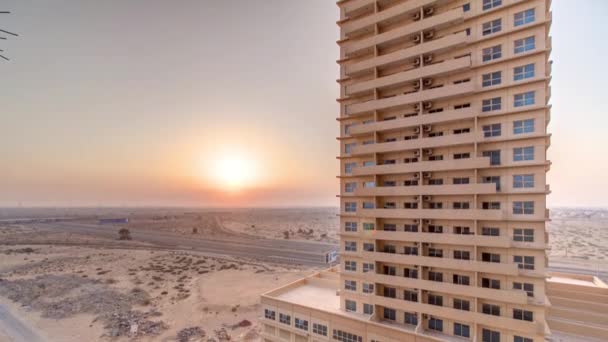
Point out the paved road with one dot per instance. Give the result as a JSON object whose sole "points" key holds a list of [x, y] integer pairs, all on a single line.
{"points": [[284, 251], [16, 330]]}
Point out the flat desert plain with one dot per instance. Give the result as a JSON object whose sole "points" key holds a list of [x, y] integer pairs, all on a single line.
{"points": [[65, 285]]}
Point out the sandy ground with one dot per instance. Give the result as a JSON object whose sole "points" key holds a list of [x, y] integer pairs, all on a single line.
{"points": [[186, 289]]}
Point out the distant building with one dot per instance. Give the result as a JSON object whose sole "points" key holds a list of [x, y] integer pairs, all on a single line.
{"points": [[120, 220]]}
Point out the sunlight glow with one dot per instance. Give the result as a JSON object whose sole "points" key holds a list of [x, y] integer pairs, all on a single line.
{"points": [[234, 172]]}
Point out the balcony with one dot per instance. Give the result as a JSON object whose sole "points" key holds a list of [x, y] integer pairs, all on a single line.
{"points": [[436, 69], [423, 166], [402, 145], [357, 24], [440, 93], [434, 46], [355, 5], [463, 189], [454, 314], [436, 214], [437, 22], [465, 265], [449, 239], [508, 296], [424, 119]]}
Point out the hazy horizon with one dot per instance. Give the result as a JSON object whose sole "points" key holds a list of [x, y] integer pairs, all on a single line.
{"points": [[148, 104]]}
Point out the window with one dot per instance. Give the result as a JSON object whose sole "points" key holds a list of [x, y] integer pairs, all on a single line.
{"points": [[436, 252], [389, 183], [490, 309], [489, 4], [390, 205], [368, 226], [367, 267], [368, 288], [523, 181], [368, 205], [435, 300], [461, 304], [409, 250], [319, 329], [350, 187], [368, 247], [347, 128], [465, 155], [462, 255], [410, 273], [348, 167], [523, 126], [369, 163], [350, 207], [390, 249], [524, 17], [491, 53], [390, 227], [462, 230], [412, 228], [490, 205], [350, 226], [462, 131], [525, 44], [435, 158], [301, 324], [435, 134], [523, 234], [460, 180], [492, 179], [461, 280], [529, 288], [410, 318], [348, 147], [491, 79], [435, 324], [492, 130], [523, 153], [523, 315], [462, 330], [410, 205], [460, 205], [390, 314], [350, 246], [491, 27], [369, 184], [521, 339], [435, 229], [523, 72], [344, 336], [285, 319], [492, 104], [523, 208], [270, 314], [490, 231], [488, 335], [368, 309], [466, 7], [494, 156], [390, 270], [435, 276], [490, 283], [350, 305], [524, 262], [436, 181], [350, 266], [435, 205], [490, 257], [350, 285], [464, 105], [411, 296]]}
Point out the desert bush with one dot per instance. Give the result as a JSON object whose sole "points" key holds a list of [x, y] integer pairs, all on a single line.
{"points": [[124, 234]]}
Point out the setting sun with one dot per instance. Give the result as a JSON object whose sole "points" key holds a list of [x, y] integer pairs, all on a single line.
{"points": [[234, 172]]}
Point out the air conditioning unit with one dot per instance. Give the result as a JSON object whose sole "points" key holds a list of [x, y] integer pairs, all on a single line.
{"points": [[417, 62], [416, 175], [426, 175], [429, 35], [417, 130], [417, 153], [416, 198], [428, 58], [417, 107], [427, 82], [416, 39], [429, 11], [426, 198], [427, 128], [416, 16], [428, 105], [429, 152], [416, 85]]}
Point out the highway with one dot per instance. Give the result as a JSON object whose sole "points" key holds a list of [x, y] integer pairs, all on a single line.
{"points": [[14, 329], [271, 250]]}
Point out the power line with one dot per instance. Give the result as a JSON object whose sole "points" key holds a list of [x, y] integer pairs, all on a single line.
{"points": [[9, 33]]}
